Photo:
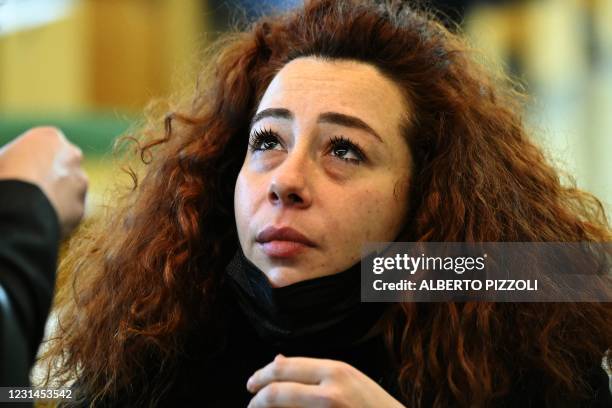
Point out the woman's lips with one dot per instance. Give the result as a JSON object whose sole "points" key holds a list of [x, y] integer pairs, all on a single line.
{"points": [[283, 249], [282, 241]]}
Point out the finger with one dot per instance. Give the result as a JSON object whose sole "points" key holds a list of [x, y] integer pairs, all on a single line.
{"points": [[83, 180], [287, 394], [296, 369], [48, 134], [57, 131], [73, 155], [77, 153]]}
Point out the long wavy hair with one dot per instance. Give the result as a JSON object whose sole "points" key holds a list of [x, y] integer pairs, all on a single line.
{"points": [[134, 280]]}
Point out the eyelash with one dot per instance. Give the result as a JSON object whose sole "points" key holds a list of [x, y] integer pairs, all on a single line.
{"points": [[266, 135]]}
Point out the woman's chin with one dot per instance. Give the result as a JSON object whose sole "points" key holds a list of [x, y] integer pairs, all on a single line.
{"points": [[280, 276]]}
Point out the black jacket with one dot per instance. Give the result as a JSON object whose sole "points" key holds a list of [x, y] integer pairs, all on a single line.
{"points": [[29, 240], [219, 381]]}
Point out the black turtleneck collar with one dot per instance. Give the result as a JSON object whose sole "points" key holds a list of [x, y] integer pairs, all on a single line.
{"points": [[320, 313]]}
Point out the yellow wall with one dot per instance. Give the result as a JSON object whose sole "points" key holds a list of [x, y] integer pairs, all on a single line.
{"points": [[115, 54], [43, 68]]}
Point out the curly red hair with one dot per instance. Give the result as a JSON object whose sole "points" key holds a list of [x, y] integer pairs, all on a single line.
{"points": [[137, 278]]}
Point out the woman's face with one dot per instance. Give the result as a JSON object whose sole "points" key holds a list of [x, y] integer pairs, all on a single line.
{"points": [[326, 159]]}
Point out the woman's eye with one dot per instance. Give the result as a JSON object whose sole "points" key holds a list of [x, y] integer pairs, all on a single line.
{"points": [[340, 147], [264, 140], [346, 150]]}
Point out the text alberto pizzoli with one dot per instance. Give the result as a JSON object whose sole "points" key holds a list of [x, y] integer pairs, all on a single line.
{"points": [[456, 264]]}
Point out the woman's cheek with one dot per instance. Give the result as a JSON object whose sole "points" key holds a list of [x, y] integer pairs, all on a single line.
{"points": [[243, 203], [246, 194], [380, 213]]}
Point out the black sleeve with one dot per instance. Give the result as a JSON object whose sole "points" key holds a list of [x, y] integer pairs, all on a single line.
{"points": [[29, 240], [602, 387]]}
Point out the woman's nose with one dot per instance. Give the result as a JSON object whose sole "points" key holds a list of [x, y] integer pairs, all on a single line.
{"points": [[289, 185]]}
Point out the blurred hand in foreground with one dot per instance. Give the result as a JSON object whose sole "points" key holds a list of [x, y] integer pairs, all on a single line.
{"points": [[43, 156]]}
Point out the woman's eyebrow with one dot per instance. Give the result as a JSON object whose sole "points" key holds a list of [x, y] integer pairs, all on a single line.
{"points": [[272, 113], [327, 117], [348, 121]]}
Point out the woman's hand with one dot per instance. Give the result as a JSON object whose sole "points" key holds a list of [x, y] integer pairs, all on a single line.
{"points": [[313, 382]]}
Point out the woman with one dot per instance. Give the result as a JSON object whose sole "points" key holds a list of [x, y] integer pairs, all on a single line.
{"points": [[335, 124]]}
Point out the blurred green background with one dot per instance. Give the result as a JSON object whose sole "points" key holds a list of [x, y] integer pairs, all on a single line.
{"points": [[90, 67]]}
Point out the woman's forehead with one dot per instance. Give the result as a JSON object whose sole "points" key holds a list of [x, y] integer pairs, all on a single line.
{"points": [[309, 86]]}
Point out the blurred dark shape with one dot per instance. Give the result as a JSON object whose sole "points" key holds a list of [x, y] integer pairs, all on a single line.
{"points": [[453, 11], [227, 12]]}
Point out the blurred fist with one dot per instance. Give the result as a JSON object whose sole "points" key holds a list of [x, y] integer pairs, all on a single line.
{"points": [[43, 156]]}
